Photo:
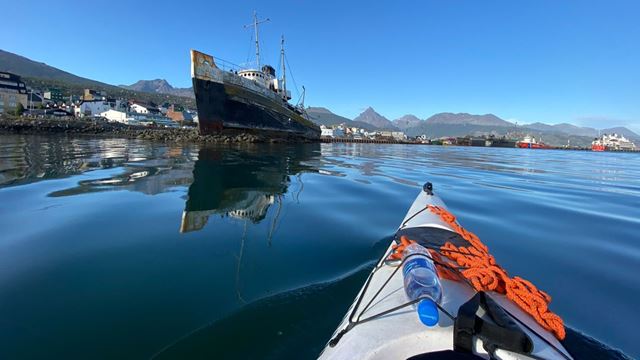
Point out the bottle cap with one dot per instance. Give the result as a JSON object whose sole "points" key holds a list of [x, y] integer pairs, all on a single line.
{"points": [[428, 312]]}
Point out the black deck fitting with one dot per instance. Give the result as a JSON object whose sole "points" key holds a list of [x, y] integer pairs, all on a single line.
{"points": [[428, 188]]}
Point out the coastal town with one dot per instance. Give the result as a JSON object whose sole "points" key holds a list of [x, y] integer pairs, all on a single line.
{"points": [[18, 99]]}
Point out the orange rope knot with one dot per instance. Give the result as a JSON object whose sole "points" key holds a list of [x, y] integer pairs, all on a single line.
{"points": [[398, 249], [481, 269]]}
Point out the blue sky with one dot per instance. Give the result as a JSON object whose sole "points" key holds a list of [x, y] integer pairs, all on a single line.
{"points": [[537, 60]]}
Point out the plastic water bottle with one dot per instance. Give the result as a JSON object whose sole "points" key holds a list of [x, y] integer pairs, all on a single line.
{"points": [[421, 279]]}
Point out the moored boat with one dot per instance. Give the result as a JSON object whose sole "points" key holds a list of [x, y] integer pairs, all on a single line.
{"points": [[612, 142], [530, 142], [250, 98], [501, 142], [382, 323], [597, 145]]}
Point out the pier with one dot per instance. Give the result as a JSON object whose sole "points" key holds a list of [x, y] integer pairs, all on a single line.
{"points": [[368, 141]]}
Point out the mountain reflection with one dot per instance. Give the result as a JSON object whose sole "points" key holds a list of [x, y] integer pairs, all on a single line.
{"points": [[244, 182]]}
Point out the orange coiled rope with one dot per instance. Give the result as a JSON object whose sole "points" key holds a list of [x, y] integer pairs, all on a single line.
{"points": [[481, 269]]}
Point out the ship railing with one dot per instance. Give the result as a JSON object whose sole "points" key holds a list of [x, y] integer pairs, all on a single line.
{"points": [[226, 65], [229, 66]]}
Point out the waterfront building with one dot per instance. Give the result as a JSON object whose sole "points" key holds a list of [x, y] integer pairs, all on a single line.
{"points": [[178, 113], [13, 91], [97, 107], [150, 120], [445, 140], [57, 112], [326, 131], [91, 108], [335, 132], [164, 108], [115, 115], [34, 99], [398, 135], [92, 95], [143, 108], [54, 95]]}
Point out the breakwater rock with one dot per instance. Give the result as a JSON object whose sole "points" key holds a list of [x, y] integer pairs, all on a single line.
{"points": [[97, 127]]}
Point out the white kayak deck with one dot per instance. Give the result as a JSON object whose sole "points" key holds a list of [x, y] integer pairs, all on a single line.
{"points": [[400, 334]]}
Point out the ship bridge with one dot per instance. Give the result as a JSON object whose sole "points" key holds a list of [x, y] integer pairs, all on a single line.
{"points": [[267, 78]]}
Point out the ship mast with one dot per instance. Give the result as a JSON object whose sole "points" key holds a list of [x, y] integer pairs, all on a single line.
{"points": [[255, 26], [284, 71]]}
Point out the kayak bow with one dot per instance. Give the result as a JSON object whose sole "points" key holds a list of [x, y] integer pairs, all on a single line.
{"points": [[382, 324]]}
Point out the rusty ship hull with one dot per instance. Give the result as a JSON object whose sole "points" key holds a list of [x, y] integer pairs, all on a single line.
{"points": [[227, 101]]}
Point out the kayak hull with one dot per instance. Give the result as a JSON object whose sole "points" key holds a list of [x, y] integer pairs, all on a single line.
{"points": [[400, 334]]}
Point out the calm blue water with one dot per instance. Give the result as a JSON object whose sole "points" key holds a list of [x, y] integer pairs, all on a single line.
{"points": [[114, 248]]}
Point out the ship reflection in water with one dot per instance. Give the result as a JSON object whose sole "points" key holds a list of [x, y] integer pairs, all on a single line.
{"points": [[243, 184]]}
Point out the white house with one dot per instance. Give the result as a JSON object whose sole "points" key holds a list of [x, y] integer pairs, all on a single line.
{"points": [[97, 107], [398, 135], [325, 131], [142, 108], [331, 132], [139, 109], [91, 108], [115, 115]]}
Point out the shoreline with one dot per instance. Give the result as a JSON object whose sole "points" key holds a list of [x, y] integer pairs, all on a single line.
{"points": [[102, 128], [13, 125]]}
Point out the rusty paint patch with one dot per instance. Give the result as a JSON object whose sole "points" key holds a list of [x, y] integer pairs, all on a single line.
{"points": [[202, 65]]}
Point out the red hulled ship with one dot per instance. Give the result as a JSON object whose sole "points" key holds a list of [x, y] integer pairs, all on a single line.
{"points": [[529, 142]]}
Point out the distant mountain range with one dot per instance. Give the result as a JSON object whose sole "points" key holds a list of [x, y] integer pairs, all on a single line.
{"points": [[462, 124], [160, 86]]}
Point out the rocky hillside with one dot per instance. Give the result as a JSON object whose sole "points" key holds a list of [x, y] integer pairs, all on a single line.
{"points": [[569, 129], [406, 122], [371, 117], [24, 67], [468, 119], [563, 128], [160, 86], [323, 116]]}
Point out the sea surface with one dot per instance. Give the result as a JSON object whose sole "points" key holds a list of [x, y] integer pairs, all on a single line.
{"points": [[115, 248]]}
